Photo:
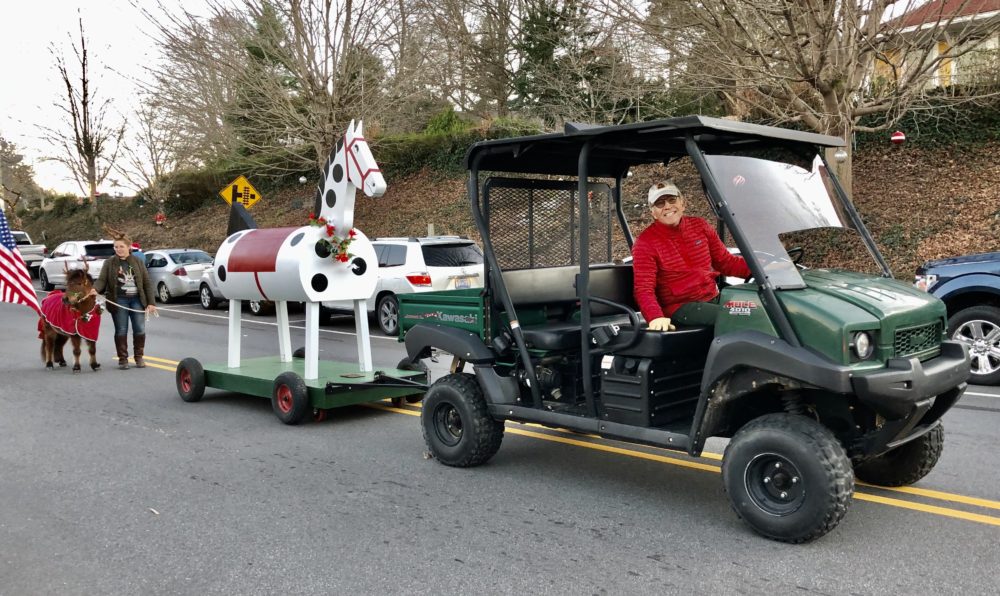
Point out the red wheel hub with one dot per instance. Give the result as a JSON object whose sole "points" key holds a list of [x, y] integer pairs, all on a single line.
{"points": [[284, 399], [185, 380]]}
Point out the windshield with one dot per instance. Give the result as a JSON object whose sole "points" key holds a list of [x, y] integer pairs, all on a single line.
{"points": [[452, 255], [191, 257], [771, 200], [100, 251]]}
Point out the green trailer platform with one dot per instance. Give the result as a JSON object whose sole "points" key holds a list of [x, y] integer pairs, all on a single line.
{"points": [[293, 398]]}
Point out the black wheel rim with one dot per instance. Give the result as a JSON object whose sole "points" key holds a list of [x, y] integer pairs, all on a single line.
{"points": [[448, 424], [774, 484]]}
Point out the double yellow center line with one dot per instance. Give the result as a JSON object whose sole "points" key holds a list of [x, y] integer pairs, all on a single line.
{"points": [[597, 444]]}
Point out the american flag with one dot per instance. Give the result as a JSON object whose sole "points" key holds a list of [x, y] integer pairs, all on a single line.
{"points": [[15, 283]]}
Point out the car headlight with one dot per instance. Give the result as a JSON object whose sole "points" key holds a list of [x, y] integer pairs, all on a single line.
{"points": [[925, 282], [862, 345]]}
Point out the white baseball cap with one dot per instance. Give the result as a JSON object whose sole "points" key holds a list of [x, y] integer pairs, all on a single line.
{"points": [[662, 188]]}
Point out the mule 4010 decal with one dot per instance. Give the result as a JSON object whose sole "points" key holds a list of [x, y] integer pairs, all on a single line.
{"points": [[743, 308]]}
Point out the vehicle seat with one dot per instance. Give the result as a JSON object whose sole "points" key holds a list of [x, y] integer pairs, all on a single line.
{"points": [[685, 341]]}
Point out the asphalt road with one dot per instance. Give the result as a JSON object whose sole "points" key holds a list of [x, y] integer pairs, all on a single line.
{"points": [[110, 484]]}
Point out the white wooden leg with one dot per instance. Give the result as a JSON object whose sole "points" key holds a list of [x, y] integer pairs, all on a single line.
{"points": [[312, 340], [235, 333], [364, 339], [284, 334]]}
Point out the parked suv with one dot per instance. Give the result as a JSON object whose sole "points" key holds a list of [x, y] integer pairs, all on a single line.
{"points": [[970, 288], [411, 265], [75, 254]]}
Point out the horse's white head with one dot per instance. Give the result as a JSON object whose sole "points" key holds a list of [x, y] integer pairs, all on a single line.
{"points": [[362, 171]]}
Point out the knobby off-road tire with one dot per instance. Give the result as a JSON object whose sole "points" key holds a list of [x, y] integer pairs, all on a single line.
{"points": [[905, 464], [290, 399], [457, 426], [190, 379], [788, 477]]}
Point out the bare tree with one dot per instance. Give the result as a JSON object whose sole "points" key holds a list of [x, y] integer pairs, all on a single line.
{"points": [[816, 62], [152, 153], [90, 146], [290, 74]]}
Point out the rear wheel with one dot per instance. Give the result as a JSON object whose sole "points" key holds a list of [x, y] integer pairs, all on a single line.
{"points": [[905, 464], [979, 328], [788, 477], [387, 314], [457, 426], [190, 379], [162, 293], [290, 398], [43, 278]]}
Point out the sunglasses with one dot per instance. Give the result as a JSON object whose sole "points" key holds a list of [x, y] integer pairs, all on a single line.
{"points": [[662, 201]]}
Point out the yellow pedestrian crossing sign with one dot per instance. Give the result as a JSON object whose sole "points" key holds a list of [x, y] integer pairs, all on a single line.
{"points": [[242, 191]]}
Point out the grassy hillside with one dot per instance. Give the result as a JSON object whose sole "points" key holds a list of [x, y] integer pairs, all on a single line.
{"points": [[920, 203]]}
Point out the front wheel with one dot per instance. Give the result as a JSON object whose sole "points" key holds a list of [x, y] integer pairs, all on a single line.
{"points": [[979, 328], [207, 299], [260, 308], [190, 379], [457, 425], [788, 477], [162, 293], [905, 464], [43, 278], [290, 398], [387, 313]]}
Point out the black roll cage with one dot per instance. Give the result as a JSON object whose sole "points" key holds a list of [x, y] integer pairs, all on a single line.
{"points": [[609, 152]]}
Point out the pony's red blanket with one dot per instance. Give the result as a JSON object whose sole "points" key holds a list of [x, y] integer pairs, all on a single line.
{"points": [[68, 321]]}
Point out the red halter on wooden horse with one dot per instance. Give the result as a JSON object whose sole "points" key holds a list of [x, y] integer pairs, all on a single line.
{"points": [[72, 315]]}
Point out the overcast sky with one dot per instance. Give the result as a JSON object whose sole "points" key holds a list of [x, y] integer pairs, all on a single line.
{"points": [[118, 45]]}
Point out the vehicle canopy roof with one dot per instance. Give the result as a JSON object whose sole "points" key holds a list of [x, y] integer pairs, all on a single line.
{"points": [[617, 148]]}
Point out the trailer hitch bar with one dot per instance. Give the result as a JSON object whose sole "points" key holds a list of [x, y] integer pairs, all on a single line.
{"points": [[379, 379]]}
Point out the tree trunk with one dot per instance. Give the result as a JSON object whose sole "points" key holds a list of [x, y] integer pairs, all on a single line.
{"points": [[842, 169]]}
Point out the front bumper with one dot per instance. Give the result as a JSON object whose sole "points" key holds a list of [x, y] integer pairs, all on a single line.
{"points": [[894, 391], [911, 396]]}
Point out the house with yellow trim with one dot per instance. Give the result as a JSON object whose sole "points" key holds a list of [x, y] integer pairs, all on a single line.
{"points": [[944, 43]]}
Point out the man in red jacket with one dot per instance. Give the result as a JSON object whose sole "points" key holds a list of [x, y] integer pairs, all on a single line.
{"points": [[677, 259]]}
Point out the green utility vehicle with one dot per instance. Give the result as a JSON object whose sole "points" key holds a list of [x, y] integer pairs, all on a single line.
{"points": [[816, 374]]}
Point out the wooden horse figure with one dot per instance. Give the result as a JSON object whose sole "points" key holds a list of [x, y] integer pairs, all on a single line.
{"points": [[350, 166], [73, 314]]}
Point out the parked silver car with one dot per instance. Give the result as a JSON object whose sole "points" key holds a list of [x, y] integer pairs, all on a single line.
{"points": [[176, 272]]}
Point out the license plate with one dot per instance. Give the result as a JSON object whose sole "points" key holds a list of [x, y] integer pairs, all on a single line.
{"points": [[462, 282]]}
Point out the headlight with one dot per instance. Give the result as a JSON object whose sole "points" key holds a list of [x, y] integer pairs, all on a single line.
{"points": [[862, 345], [924, 282]]}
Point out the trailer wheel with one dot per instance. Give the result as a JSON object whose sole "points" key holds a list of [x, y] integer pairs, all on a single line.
{"points": [[905, 464], [290, 398], [319, 414], [407, 364], [190, 377], [457, 425], [788, 477]]}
